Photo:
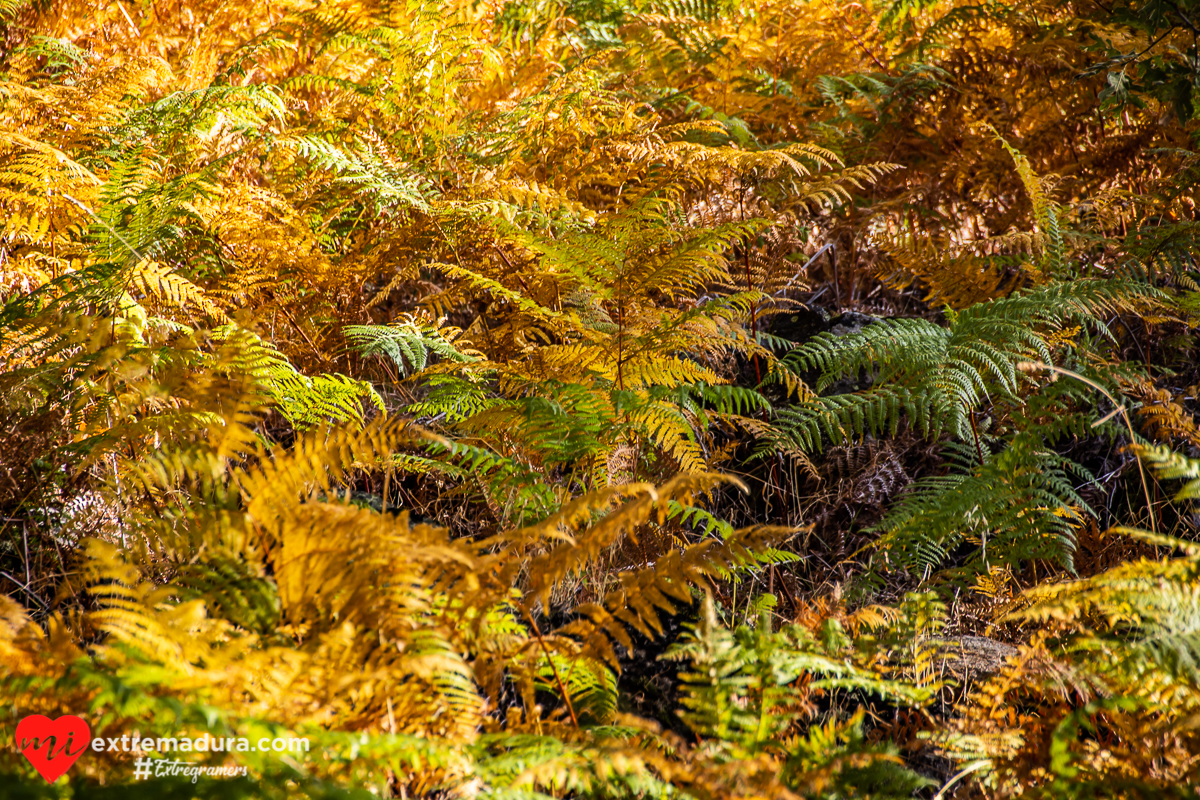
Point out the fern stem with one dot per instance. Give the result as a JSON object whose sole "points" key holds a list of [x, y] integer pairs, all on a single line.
{"points": [[749, 284], [553, 667], [120, 238], [1121, 410], [287, 314], [387, 480], [978, 765], [975, 432]]}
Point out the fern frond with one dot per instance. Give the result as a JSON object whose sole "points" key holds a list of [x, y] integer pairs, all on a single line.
{"points": [[409, 343]]}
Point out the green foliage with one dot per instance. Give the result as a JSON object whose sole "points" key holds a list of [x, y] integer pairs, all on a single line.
{"points": [[379, 373], [937, 377], [409, 345], [1128, 651], [739, 694], [1020, 503], [1160, 70], [1004, 491], [307, 401]]}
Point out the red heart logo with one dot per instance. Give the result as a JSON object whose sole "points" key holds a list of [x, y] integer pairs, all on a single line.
{"points": [[52, 746]]}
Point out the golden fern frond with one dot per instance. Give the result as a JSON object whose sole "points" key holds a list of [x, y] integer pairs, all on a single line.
{"points": [[671, 430], [585, 542], [137, 613], [26, 648], [40, 186], [952, 276], [530, 194], [38, 162], [1045, 211], [157, 281], [649, 370], [497, 290], [316, 462], [1164, 418], [645, 594]]}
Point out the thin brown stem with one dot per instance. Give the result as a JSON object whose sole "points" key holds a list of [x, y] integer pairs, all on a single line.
{"points": [[975, 431], [1129, 425], [557, 679]]}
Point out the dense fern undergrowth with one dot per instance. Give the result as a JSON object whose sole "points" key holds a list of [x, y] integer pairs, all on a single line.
{"points": [[604, 398]]}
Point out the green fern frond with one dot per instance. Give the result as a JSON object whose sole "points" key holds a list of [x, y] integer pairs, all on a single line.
{"points": [[408, 343], [1046, 212], [938, 375], [306, 401], [1020, 504]]}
